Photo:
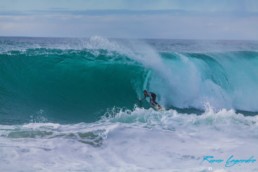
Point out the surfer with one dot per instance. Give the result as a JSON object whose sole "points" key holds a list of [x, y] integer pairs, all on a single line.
{"points": [[152, 98]]}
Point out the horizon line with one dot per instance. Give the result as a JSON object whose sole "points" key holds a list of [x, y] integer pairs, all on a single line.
{"points": [[88, 37]]}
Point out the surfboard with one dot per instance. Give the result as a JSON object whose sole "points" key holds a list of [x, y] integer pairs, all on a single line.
{"points": [[158, 107]]}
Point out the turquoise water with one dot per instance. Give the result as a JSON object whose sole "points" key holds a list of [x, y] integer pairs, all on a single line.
{"points": [[67, 84], [73, 104]]}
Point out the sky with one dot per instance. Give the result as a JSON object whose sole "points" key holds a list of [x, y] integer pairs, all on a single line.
{"points": [[169, 19]]}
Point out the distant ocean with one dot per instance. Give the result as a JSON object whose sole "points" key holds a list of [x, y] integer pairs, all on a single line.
{"points": [[70, 104]]}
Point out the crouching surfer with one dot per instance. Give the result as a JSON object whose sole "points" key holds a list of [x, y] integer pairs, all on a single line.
{"points": [[152, 97]]}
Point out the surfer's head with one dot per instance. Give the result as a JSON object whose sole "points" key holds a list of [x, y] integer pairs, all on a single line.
{"points": [[145, 92]]}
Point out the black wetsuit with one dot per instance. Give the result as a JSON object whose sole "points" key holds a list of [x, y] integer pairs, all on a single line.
{"points": [[153, 97]]}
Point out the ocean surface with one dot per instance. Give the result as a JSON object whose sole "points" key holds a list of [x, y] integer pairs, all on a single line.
{"points": [[70, 104]]}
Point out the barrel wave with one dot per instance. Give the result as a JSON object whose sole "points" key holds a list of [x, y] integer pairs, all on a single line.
{"points": [[42, 80]]}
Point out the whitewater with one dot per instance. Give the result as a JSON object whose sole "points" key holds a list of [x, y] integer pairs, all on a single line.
{"points": [[70, 104]]}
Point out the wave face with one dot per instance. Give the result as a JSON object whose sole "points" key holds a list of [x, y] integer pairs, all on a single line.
{"points": [[71, 80], [72, 84]]}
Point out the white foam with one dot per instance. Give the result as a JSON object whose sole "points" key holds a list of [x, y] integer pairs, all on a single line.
{"points": [[138, 140]]}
